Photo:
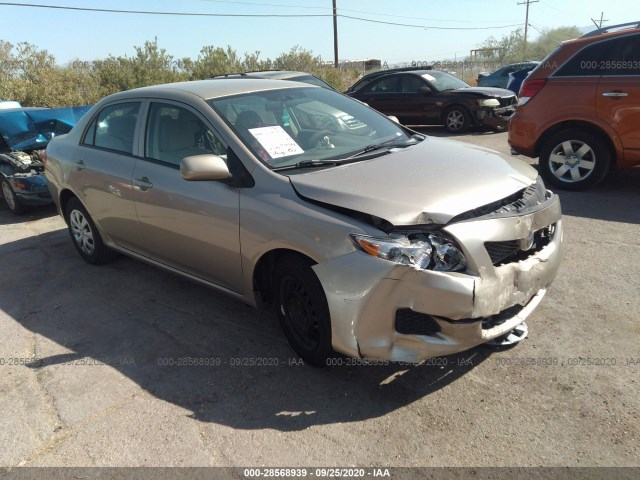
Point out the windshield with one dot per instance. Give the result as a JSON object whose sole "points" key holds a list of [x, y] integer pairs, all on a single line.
{"points": [[444, 81], [288, 127]]}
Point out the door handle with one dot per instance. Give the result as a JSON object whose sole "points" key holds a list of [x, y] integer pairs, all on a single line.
{"points": [[80, 165], [143, 184], [615, 94]]}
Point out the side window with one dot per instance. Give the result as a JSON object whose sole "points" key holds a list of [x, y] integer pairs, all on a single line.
{"points": [[385, 85], [626, 58], [411, 84], [611, 57], [175, 132], [113, 128]]}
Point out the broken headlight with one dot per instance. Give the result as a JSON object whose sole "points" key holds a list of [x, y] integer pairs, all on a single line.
{"points": [[425, 251]]}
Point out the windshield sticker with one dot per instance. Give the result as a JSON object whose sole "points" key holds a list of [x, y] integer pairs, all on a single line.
{"points": [[431, 78], [276, 141]]}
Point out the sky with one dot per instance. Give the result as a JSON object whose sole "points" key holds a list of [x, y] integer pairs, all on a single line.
{"points": [[430, 29]]}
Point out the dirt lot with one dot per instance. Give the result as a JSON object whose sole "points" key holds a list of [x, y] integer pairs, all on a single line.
{"points": [[90, 374]]}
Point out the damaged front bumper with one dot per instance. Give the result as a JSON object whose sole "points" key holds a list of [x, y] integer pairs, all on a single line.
{"points": [[382, 310], [495, 117]]}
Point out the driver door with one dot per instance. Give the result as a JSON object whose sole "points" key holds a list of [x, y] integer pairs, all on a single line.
{"points": [[192, 226]]}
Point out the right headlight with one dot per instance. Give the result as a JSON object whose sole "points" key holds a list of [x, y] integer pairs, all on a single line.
{"points": [[425, 251]]}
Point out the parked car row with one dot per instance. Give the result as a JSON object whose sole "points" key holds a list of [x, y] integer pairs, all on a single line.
{"points": [[270, 190]]}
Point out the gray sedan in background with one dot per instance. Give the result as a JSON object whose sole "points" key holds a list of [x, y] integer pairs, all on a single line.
{"points": [[369, 239]]}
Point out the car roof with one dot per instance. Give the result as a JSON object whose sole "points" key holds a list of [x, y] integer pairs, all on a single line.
{"points": [[604, 33], [206, 89]]}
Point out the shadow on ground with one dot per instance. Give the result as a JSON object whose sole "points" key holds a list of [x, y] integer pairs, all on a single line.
{"points": [[147, 323], [34, 213]]}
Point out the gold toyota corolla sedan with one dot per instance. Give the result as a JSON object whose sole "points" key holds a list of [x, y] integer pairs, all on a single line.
{"points": [[368, 238]]}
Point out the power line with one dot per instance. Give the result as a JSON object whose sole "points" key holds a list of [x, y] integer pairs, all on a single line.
{"points": [[230, 2], [149, 12], [253, 15]]}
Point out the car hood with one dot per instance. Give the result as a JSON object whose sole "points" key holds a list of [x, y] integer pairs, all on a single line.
{"points": [[429, 183], [489, 92]]}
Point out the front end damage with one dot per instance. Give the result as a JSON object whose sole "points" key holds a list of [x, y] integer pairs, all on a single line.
{"points": [[389, 311], [497, 115], [24, 173], [24, 134]]}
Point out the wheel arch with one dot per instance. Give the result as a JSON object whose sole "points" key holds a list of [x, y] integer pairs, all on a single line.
{"points": [[262, 276], [597, 130], [64, 197]]}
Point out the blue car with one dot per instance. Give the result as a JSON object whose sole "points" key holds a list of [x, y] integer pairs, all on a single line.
{"points": [[24, 134], [500, 77], [516, 78]]}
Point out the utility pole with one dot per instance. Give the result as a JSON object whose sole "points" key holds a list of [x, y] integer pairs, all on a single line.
{"points": [[602, 20], [526, 24], [335, 35]]}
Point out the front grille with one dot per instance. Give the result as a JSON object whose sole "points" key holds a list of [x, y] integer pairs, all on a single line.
{"points": [[500, 251], [507, 101], [509, 251], [409, 322]]}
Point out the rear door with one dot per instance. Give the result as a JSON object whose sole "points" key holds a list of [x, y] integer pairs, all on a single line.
{"points": [[384, 94], [192, 226], [104, 163], [618, 93]]}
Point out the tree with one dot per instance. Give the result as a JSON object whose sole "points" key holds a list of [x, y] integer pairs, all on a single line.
{"points": [[549, 40], [510, 48]]}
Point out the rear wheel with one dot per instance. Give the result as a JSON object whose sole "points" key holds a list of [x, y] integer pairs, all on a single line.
{"points": [[85, 235], [13, 202], [574, 159], [302, 310], [457, 119]]}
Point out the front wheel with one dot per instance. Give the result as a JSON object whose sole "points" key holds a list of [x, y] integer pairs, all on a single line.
{"points": [[85, 235], [457, 119], [13, 202], [574, 159], [302, 310]]}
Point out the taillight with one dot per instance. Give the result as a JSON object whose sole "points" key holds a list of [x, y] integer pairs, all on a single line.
{"points": [[530, 89]]}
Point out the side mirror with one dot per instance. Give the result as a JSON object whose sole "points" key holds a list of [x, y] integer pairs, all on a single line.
{"points": [[204, 167], [424, 90]]}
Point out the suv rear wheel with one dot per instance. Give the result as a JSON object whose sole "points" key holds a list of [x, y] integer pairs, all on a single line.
{"points": [[574, 159]]}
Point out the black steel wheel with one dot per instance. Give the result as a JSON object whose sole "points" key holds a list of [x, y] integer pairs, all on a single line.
{"points": [[302, 310]]}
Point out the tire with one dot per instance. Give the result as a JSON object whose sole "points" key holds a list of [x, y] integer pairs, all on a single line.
{"points": [[456, 119], [302, 310], [85, 235], [574, 159], [11, 199]]}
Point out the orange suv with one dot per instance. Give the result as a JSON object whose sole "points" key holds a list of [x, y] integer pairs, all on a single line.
{"points": [[579, 110]]}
